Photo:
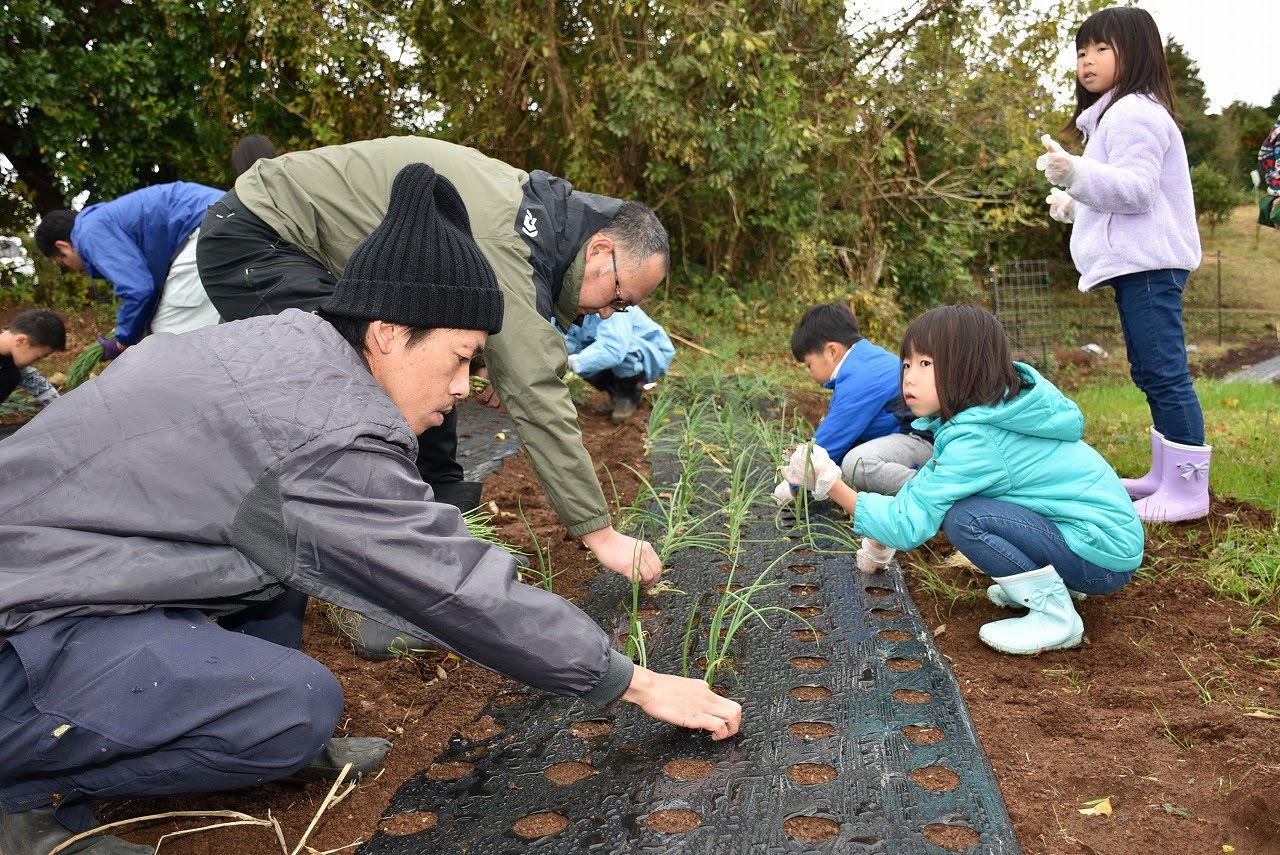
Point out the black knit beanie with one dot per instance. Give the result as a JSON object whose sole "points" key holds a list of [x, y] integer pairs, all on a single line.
{"points": [[421, 267]]}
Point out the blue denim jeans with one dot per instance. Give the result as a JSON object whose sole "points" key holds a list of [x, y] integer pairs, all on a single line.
{"points": [[1150, 305], [1003, 539]]}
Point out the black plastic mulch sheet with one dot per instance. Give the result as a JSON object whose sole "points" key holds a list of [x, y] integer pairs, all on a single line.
{"points": [[485, 437], [869, 709]]}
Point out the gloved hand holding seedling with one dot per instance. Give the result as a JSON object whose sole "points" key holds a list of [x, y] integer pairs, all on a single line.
{"points": [[784, 494], [812, 468], [873, 557]]}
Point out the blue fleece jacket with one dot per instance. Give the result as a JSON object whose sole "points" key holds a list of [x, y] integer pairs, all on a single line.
{"points": [[131, 241], [867, 388], [628, 343], [1028, 451]]}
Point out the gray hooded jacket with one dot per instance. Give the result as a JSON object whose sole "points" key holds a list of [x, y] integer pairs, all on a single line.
{"points": [[211, 469]]}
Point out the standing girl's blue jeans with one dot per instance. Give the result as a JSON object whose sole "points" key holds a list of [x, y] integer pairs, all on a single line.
{"points": [[1003, 539], [1150, 304]]}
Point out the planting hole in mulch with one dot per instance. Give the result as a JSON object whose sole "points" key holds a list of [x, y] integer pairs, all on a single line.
{"points": [[727, 567], [673, 821], [482, 728], [540, 824], [507, 699], [591, 728], [938, 779], [409, 823], [904, 664], [876, 591], [450, 771], [802, 551], [811, 773], [911, 696], [569, 772], [808, 634], [810, 693], [894, 635], [801, 569], [811, 829], [648, 612], [953, 838], [809, 663], [923, 734], [804, 590], [687, 769], [806, 611], [885, 614], [722, 588], [811, 729]]}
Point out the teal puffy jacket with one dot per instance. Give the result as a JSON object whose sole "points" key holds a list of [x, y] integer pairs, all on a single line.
{"points": [[1028, 451]]}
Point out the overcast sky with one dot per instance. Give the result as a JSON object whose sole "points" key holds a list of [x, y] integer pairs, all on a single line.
{"points": [[1228, 39]]}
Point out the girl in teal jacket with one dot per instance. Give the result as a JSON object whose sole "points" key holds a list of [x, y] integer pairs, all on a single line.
{"points": [[1011, 481]]}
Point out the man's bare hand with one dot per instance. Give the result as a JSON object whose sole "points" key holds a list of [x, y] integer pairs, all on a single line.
{"points": [[489, 394], [624, 555], [683, 702]]}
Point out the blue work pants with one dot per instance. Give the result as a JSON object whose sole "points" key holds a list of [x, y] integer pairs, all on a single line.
{"points": [[161, 702]]}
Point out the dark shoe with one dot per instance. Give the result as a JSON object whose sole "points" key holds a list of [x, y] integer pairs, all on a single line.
{"points": [[463, 495], [379, 642], [628, 392], [364, 753], [37, 832]]}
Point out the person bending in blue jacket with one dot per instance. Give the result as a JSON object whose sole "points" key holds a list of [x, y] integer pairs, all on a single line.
{"points": [[144, 244], [619, 354], [1011, 482]]}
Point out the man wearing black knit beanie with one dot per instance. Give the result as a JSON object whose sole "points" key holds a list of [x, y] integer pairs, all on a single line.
{"points": [[146, 654]]}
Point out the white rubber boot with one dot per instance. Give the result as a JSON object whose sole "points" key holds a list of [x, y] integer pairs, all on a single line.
{"points": [[1140, 488], [1184, 491], [998, 597], [1051, 622]]}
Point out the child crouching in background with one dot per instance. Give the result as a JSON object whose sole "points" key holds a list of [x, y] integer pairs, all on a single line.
{"points": [[1011, 482]]}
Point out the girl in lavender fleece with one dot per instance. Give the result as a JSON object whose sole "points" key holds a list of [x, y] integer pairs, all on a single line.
{"points": [[1135, 231]]}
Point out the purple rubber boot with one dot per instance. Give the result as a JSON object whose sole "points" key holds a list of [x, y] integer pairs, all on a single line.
{"points": [[1140, 488], [1184, 491]]}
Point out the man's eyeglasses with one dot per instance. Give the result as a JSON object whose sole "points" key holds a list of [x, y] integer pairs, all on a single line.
{"points": [[617, 303]]}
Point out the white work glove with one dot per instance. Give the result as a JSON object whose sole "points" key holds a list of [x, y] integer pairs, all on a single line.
{"points": [[872, 557], [784, 494], [1061, 206], [811, 467], [1056, 163]]}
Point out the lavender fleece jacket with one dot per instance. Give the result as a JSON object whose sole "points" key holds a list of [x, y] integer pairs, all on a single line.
{"points": [[1132, 189]]}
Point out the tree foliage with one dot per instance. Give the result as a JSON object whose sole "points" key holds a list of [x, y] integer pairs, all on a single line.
{"points": [[105, 96], [789, 145]]}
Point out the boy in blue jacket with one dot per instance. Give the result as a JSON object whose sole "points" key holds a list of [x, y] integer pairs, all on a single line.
{"points": [[866, 429], [144, 244], [619, 354]]}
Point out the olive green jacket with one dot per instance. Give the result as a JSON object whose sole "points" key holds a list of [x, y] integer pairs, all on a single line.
{"points": [[532, 228]]}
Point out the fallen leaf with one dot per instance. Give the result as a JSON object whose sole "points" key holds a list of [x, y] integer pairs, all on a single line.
{"points": [[499, 435], [1174, 810], [441, 673], [1101, 807], [1261, 714], [1227, 847], [942, 627]]}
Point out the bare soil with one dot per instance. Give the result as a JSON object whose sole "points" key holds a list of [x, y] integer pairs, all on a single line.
{"points": [[1171, 710]]}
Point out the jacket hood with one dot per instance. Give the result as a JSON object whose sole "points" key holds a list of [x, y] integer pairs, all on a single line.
{"points": [[1039, 411], [556, 222]]}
